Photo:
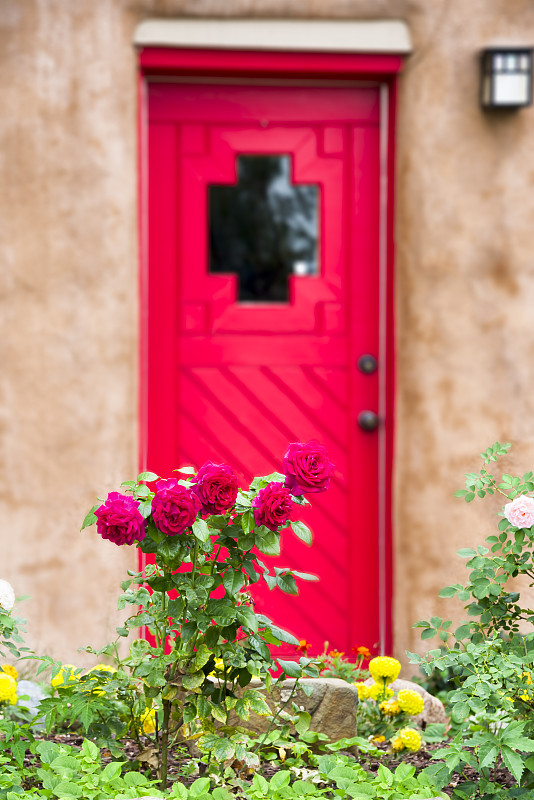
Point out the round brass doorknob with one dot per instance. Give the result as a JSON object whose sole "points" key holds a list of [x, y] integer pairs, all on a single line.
{"points": [[368, 420]]}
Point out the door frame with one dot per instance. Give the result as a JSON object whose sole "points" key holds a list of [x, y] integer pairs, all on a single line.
{"points": [[177, 63]]}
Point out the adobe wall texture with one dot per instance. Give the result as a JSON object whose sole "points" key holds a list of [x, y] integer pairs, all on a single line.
{"points": [[69, 290]]}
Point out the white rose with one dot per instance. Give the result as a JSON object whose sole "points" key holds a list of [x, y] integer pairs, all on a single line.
{"points": [[520, 512], [7, 596]]}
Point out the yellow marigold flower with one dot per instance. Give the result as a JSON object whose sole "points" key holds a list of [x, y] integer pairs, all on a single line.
{"points": [[411, 739], [377, 692], [410, 701], [377, 739], [390, 707], [8, 689], [363, 690], [397, 744], [384, 669], [64, 676], [10, 670], [147, 721]]}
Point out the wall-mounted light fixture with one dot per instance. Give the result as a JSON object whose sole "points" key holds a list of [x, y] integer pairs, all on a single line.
{"points": [[506, 80]]}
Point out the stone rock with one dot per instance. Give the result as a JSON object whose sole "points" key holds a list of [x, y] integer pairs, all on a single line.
{"points": [[332, 706], [30, 695], [433, 711]]}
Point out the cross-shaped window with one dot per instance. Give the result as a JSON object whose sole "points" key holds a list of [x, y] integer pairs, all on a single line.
{"points": [[264, 228]]}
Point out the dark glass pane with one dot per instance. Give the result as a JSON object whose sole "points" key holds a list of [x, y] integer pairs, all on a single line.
{"points": [[264, 228]]}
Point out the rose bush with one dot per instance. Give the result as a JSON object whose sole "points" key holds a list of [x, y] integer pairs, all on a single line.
{"points": [[205, 640]]}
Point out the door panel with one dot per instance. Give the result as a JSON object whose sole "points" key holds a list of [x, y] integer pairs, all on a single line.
{"points": [[235, 382]]}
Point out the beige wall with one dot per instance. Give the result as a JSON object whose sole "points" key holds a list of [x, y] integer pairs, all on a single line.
{"points": [[68, 297]]}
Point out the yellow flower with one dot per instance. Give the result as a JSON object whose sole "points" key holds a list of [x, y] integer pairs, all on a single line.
{"points": [[377, 739], [397, 744], [390, 707], [10, 670], [384, 669], [410, 701], [147, 721], [8, 689], [363, 690], [411, 739], [376, 692], [65, 676]]}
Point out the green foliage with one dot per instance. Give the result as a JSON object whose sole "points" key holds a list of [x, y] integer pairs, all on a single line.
{"points": [[67, 773], [336, 665], [487, 657], [206, 641], [11, 635]]}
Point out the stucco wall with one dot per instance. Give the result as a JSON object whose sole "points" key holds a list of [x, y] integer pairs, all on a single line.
{"points": [[69, 296]]}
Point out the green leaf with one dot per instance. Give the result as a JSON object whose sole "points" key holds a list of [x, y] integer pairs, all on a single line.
{"points": [[287, 584], [283, 635], [247, 521], [304, 576], [460, 711], [147, 476], [450, 591], [179, 791], [90, 517], [233, 581], [268, 543], [279, 780], [302, 532], [270, 580], [199, 787], [223, 749], [466, 552], [201, 530], [202, 656], [513, 761], [428, 633], [194, 680], [462, 631], [290, 668], [303, 722]]}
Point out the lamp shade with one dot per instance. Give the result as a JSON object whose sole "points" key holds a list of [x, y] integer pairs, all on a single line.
{"points": [[506, 80]]}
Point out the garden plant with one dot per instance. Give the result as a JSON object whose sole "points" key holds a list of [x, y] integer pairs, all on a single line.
{"points": [[188, 683], [491, 655]]}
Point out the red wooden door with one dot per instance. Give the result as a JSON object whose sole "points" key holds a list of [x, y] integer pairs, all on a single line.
{"points": [[234, 379]]}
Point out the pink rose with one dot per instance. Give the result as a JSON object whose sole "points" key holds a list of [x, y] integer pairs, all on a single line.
{"points": [[520, 512], [216, 486], [273, 505], [174, 507], [119, 519], [307, 468]]}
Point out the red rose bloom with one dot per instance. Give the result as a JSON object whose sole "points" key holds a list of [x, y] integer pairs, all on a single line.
{"points": [[216, 487], [272, 507], [174, 507], [119, 520], [307, 468]]}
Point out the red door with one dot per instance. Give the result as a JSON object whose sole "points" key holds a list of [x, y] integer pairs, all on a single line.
{"points": [[243, 357]]}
